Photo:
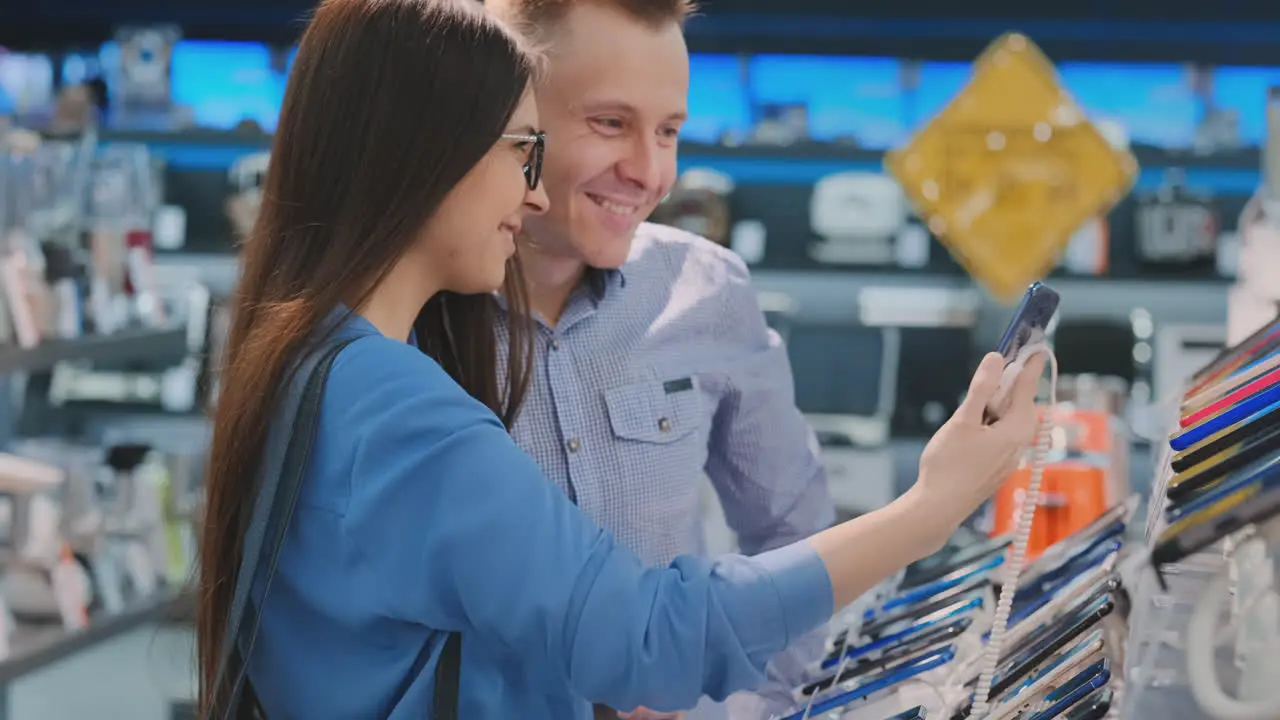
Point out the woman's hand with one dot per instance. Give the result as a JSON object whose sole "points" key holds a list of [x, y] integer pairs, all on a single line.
{"points": [[966, 462]]}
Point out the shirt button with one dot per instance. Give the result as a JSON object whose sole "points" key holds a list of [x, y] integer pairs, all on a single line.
{"points": [[664, 425], [555, 343], [574, 445]]}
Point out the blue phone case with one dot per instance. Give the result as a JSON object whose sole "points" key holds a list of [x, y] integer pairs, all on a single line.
{"points": [[1058, 580], [1246, 411], [1265, 471], [1075, 649], [928, 590], [1084, 684], [880, 682], [1029, 321], [1083, 554], [1063, 625], [887, 641]]}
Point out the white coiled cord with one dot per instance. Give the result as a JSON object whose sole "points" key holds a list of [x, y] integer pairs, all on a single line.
{"points": [[1022, 535]]}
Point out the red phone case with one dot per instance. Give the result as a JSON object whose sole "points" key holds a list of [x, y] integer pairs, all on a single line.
{"points": [[1256, 385]]}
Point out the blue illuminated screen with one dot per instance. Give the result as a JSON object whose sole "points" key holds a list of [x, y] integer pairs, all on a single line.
{"points": [[845, 97], [26, 82], [718, 104], [1156, 103], [937, 83], [78, 67], [225, 83], [1244, 89]]}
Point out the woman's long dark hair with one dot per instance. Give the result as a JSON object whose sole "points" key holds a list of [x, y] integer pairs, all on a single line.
{"points": [[389, 104]]}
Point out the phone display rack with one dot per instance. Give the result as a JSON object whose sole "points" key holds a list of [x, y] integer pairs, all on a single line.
{"points": [[1205, 630], [912, 648]]}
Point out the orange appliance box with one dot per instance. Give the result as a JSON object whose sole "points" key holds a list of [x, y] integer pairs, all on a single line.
{"points": [[1073, 493]]}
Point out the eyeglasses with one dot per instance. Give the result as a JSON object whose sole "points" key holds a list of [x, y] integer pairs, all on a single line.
{"points": [[532, 168]]}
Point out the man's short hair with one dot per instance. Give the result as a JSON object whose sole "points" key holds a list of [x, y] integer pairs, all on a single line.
{"points": [[536, 18]]}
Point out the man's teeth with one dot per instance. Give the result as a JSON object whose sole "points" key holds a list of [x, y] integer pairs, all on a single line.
{"points": [[613, 207]]}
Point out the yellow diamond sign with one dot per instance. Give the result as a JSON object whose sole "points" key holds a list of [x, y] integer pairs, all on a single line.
{"points": [[1010, 169]]}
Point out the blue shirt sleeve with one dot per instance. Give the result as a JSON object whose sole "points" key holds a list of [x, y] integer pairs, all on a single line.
{"points": [[461, 531]]}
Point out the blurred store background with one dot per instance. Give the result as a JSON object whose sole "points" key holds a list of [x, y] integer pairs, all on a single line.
{"points": [[137, 133]]}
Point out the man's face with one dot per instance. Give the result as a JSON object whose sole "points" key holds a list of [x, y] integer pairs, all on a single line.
{"points": [[612, 105]]}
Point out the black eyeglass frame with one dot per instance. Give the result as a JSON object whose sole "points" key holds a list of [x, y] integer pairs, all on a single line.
{"points": [[538, 146]]}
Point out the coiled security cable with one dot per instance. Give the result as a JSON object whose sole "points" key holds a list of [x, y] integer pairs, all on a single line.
{"points": [[1022, 534]]}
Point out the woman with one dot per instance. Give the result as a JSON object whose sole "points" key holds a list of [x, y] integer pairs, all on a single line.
{"points": [[406, 156]]}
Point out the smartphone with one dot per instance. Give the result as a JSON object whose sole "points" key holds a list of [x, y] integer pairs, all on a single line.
{"points": [[939, 565], [915, 713], [1058, 671], [1044, 569], [1245, 412], [878, 682], [1200, 477], [1057, 605], [1029, 325], [1261, 422], [1080, 687], [1235, 395], [1094, 707], [890, 622], [1042, 680], [1110, 523], [926, 641], [1046, 644], [1254, 503], [1234, 357], [1095, 557], [1262, 470], [1040, 647], [1244, 375], [930, 589], [886, 642]]}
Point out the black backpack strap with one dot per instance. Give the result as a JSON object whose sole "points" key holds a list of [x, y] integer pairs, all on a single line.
{"points": [[444, 705], [283, 468]]}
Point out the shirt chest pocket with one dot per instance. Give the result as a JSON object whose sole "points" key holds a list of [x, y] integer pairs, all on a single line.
{"points": [[654, 412]]}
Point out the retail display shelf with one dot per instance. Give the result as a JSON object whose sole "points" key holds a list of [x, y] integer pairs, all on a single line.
{"points": [[33, 647], [122, 346]]}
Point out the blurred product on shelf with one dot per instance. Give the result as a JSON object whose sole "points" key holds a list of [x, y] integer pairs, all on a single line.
{"points": [[246, 177], [698, 203], [858, 217], [1177, 225], [76, 220]]}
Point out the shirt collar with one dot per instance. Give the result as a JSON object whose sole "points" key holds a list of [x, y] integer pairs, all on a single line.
{"points": [[599, 283]]}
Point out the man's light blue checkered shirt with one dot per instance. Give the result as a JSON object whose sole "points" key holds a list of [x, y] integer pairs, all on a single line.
{"points": [[662, 373]]}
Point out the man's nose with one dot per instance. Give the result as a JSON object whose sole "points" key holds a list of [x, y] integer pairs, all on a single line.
{"points": [[643, 164]]}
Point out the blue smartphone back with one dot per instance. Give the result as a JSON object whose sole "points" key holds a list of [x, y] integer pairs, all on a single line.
{"points": [[1246, 411], [1030, 320], [1084, 684], [880, 682]]}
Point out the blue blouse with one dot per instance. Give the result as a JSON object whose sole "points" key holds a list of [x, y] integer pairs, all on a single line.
{"points": [[420, 516]]}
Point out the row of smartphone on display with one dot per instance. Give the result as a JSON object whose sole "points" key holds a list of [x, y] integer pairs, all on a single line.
{"points": [[1224, 456], [1062, 648]]}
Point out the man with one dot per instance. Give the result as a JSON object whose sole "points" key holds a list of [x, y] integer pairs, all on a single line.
{"points": [[654, 363]]}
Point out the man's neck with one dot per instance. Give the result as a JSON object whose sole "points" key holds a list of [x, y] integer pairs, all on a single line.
{"points": [[552, 281]]}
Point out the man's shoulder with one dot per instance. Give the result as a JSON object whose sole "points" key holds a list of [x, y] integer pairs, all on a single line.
{"points": [[662, 252]]}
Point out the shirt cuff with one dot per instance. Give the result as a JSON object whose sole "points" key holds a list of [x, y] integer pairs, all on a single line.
{"points": [[803, 585]]}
